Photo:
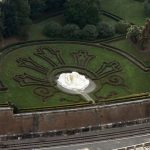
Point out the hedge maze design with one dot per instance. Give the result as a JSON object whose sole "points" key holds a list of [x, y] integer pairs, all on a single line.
{"points": [[107, 73], [82, 58]]}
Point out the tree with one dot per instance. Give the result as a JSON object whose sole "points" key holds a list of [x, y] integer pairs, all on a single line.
{"points": [[147, 7], [105, 30], [89, 32], [15, 15], [9, 19], [1, 30], [54, 4], [1, 36], [82, 12], [37, 7], [1, 26], [52, 29]]}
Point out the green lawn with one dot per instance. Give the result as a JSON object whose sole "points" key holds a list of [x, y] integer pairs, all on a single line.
{"points": [[126, 46], [132, 77], [36, 30], [108, 20], [130, 10]]}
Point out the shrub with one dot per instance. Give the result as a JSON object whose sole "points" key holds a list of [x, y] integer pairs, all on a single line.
{"points": [[147, 7], [122, 27], [71, 31], [52, 29], [89, 32], [105, 30]]}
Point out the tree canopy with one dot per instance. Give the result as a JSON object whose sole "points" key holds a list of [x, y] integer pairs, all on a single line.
{"points": [[82, 12], [147, 7], [37, 7], [15, 16], [54, 4]]}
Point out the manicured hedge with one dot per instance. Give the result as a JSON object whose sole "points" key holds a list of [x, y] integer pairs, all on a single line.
{"points": [[130, 57], [127, 98], [69, 106]]}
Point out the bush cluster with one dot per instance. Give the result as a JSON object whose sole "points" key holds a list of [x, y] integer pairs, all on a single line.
{"points": [[105, 30], [74, 32], [122, 27], [52, 29]]}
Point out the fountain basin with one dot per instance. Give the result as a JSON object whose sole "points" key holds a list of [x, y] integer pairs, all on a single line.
{"points": [[75, 83]]}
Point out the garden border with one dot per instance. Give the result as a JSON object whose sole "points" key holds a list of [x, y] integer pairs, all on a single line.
{"points": [[112, 16]]}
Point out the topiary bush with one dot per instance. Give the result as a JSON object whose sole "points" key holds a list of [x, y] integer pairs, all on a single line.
{"points": [[89, 32], [122, 27], [147, 7], [71, 31], [105, 30], [52, 29]]}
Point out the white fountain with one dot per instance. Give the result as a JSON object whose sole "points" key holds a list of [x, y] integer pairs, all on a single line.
{"points": [[75, 83]]}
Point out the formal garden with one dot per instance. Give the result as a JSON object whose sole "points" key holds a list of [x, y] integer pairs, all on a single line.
{"points": [[112, 49]]}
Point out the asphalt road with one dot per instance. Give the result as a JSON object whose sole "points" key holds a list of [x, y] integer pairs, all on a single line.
{"points": [[107, 139], [105, 145]]}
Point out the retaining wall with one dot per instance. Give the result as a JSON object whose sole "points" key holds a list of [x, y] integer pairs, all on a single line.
{"points": [[26, 123]]}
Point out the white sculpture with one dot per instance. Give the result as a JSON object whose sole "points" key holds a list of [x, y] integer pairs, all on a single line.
{"points": [[75, 83]]}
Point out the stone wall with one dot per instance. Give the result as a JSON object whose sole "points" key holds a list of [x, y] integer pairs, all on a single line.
{"points": [[67, 119]]}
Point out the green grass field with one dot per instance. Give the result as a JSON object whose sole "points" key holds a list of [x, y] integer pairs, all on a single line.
{"points": [[36, 30], [126, 46], [130, 77], [130, 10]]}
